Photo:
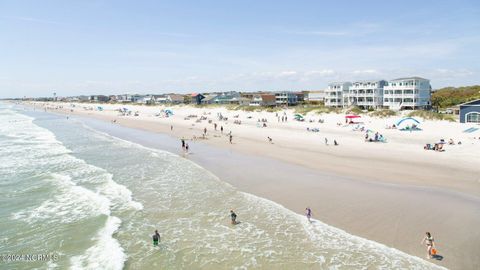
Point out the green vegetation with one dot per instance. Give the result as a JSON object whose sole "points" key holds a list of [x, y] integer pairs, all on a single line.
{"points": [[383, 113], [318, 109], [451, 96], [354, 110], [432, 115]]}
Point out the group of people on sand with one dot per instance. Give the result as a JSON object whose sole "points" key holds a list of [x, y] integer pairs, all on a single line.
{"points": [[377, 137], [439, 146]]}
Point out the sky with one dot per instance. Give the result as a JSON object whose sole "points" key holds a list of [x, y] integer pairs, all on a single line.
{"points": [[114, 47]]}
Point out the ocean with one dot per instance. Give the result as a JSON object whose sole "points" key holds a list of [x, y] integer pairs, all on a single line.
{"points": [[78, 198]]}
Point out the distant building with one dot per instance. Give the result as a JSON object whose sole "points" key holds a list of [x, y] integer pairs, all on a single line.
{"points": [[123, 98], [227, 98], [335, 92], [175, 99], [365, 94], [407, 93], [209, 99], [315, 96], [286, 98], [99, 98], [197, 98], [263, 100], [470, 112]]}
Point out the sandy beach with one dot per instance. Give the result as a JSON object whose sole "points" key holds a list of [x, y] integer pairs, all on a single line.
{"points": [[388, 192]]}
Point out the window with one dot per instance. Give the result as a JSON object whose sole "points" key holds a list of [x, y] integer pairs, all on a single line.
{"points": [[473, 117]]}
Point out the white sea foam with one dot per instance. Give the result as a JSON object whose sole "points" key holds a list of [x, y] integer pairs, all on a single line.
{"points": [[70, 204], [106, 253]]}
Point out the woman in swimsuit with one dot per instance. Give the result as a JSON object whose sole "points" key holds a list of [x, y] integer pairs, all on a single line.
{"points": [[429, 242]]}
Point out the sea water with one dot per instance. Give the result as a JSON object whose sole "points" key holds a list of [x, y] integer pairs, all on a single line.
{"points": [[87, 200]]}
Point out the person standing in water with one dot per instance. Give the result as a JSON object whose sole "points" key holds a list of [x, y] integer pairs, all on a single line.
{"points": [[186, 147], [233, 216], [183, 144], [156, 238], [429, 242], [308, 213]]}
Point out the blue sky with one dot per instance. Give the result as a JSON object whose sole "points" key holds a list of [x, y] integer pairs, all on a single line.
{"points": [[104, 47]]}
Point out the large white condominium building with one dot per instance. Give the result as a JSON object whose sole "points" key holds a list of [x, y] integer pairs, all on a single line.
{"points": [[407, 93], [365, 94], [335, 92]]}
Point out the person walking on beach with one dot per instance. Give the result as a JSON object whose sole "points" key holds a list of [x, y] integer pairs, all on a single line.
{"points": [[326, 141], [221, 129], [233, 216], [230, 138], [171, 127], [215, 126], [308, 213], [205, 132], [156, 238], [429, 242]]}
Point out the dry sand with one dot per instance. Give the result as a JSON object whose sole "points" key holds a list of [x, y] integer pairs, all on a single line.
{"points": [[388, 192]]}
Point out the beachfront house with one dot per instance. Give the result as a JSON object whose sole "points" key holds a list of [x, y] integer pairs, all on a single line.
{"points": [[316, 96], [470, 112], [124, 98], [83, 98], [286, 98], [197, 98], [99, 98], [334, 94], [228, 98], [265, 100], [209, 99], [175, 99], [407, 93], [365, 94]]}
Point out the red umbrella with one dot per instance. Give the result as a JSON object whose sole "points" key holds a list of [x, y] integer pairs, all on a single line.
{"points": [[352, 116]]}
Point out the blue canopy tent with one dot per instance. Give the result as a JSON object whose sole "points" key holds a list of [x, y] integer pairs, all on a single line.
{"points": [[411, 124], [168, 112], [408, 119], [99, 108]]}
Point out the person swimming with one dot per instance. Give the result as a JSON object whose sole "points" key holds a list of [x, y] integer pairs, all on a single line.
{"points": [[233, 216], [156, 238]]}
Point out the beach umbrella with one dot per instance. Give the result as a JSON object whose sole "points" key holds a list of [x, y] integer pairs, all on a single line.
{"points": [[408, 119], [352, 116]]}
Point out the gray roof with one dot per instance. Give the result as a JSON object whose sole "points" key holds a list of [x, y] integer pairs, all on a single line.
{"points": [[368, 81], [475, 102], [409, 78]]}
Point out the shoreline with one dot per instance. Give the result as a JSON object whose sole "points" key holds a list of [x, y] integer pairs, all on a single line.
{"points": [[358, 206]]}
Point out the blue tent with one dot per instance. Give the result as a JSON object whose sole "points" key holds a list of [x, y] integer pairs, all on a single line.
{"points": [[169, 112], [408, 119], [99, 108]]}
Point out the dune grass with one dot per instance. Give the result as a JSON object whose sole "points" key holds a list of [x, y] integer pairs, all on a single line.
{"points": [[429, 115]]}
